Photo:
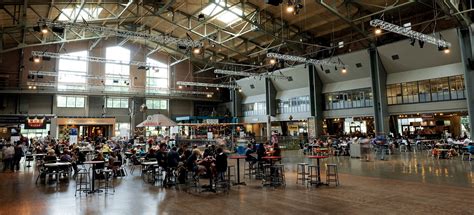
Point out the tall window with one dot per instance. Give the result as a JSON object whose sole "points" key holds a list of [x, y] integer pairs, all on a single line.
{"points": [[157, 104], [70, 101], [394, 94], [117, 75], [117, 102], [456, 84], [72, 73], [410, 92], [157, 77]]}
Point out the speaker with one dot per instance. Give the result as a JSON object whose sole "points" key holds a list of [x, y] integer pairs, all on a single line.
{"points": [[273, 2]]}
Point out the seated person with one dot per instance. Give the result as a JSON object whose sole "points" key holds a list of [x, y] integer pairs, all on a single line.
{"points": [[50, 157], [193, 164], [276, 150], [261, 152], [248, 154]]}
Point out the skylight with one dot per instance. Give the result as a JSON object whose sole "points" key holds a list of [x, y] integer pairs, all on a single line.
{"points": [[226, 17], [69, 14]]}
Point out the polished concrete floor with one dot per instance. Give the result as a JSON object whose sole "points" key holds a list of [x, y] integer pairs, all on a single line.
{"points": [[407, 183]]}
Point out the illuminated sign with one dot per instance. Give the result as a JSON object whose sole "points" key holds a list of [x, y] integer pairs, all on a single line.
{"points": [[35, 123]]}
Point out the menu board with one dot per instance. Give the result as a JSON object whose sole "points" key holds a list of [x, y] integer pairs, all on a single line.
{"points": [[311, 129]]}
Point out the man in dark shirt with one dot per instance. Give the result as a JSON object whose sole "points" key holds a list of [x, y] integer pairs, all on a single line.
{"points": [[248, 154]]}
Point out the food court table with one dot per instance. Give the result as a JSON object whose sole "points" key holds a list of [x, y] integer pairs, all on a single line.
{"points": [[317, 157], [238, 157], [93, 163], [272, 158]]}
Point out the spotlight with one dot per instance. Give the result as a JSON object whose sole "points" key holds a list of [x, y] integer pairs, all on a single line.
{"points": [[290, 8], [447, 51], [209, 95], [240, 90], [272, 61], [444, 49], [201, 17], [207, 88], [421, 43], [197, 50], [378, 31], [344, 70], [217, 88], [29, 87], [412, 41], [180, 87], [34, 87], [44, 29], [36, 59]]}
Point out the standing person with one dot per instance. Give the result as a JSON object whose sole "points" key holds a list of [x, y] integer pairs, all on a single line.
{"points": [[17, 156], [8, 153], [221, 163]]}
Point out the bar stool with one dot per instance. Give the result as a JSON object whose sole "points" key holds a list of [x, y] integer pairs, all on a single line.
{"points": [[301, 172], [106, 181], [332, 174], [313, 177], [231, 174], [82, 182], [249, 169], [278, 176], [266, 175]]}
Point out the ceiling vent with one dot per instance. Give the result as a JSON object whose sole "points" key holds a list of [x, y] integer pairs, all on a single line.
{"points": [[327, 71], [252, 86], [395, 57], [358, 65]]}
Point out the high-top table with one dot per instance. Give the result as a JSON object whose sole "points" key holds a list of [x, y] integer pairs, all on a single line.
{"points": [[238, 157], [93, 163], [318, 157]]}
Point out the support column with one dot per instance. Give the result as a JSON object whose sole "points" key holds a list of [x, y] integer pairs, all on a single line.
{"points": [[270, 104], [379, 90], [466, 42], [236, 100], [316, 101]]}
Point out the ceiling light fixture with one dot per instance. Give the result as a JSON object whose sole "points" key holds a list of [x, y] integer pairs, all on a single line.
{"points": [[251, 74], [180, 87], [409, 33], [199, 84], [105, 31], [197, 50], [290, 8], [305, 60]]}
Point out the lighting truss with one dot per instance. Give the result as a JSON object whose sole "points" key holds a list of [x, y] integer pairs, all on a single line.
{"points": [[250, 74], [198, 84], [92, 59], [305, 60], [409, 33], [95, 88], [124, 33]]}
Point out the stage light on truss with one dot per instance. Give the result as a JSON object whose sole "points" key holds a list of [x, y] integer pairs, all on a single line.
{"points": [[378, 31], [344, 70], [273, 61], [412, 41], [36, 59], [44, 29], [197, 50]]}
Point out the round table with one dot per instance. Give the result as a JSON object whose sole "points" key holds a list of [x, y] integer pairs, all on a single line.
{"points": [[317, 157], [93, 163], [238, 157]]}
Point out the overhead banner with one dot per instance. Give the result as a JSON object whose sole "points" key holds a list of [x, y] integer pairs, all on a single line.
{"points": [[35, 123]]}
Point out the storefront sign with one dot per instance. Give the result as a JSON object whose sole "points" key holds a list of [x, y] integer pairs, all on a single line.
{"points": [[212, 121], [35, 123]]}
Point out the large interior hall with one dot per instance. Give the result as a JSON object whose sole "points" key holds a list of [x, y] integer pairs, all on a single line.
{"points": [[236, 107]]}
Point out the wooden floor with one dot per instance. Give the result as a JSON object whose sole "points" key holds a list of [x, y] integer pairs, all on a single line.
{"points": [[406, 184]]}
